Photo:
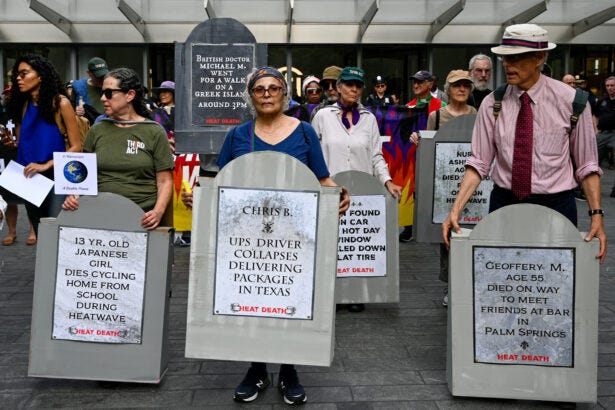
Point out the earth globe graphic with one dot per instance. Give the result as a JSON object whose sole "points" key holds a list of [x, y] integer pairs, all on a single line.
{"points": [[75, 172]]}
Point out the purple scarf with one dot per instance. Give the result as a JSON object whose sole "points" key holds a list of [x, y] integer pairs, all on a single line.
{"points": [[345, 110]]}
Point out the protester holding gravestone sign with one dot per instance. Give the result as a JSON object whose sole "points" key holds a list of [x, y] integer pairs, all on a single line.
{"points": [[540, 157], [350, 137], [38, 102], [271, 130], [458, 88], [133, 155]]}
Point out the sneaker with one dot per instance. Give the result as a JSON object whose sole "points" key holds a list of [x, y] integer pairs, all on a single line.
{"points": [[290, 389], [252, 384], [406, 234]]}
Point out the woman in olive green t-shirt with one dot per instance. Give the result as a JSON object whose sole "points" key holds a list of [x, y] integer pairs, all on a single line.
{"points": [[133, 155]]}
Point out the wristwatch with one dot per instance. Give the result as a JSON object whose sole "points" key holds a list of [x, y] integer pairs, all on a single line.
{"points": [[593, 212]]}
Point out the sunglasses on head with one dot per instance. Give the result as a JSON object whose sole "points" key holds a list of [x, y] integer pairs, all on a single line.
{"points": [[108, 92]]}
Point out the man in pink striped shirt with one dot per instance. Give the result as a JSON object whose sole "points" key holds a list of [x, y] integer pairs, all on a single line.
{"points": [[554, 175]]}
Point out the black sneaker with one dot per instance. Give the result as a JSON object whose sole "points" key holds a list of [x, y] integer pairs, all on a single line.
{"points": [[406, 234], [252, 384], [290, 389]]}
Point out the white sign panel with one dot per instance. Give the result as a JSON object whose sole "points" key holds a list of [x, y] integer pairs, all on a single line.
{"points": [[449, 169], [362, 238], [266, 248], [33, 189], [75, 173], [524, 306], [100, 282]]}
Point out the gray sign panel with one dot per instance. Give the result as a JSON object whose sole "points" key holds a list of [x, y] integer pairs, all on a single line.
{"points": [[98, 321], [280, 215], [368, 247], [524, 305], [523, 308]]}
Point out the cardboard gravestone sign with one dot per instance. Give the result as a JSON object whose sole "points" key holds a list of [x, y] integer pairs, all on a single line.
{"points": [[262, 271], [523, 308], [440, 169], [101, 290], [211, 69], [368, 247]]}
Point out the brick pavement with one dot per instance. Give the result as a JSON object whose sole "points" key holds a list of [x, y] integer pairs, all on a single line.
{"points": [[388, 357]]}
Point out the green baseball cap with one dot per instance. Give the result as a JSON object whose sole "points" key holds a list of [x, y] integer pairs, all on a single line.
{"points": [[98, 67], [352, 74]]}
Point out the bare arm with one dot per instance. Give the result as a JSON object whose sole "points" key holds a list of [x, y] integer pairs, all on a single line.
{"points": [[469, 183], [164, 182], [591, 187]]}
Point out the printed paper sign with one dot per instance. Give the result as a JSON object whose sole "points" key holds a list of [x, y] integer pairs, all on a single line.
{"points": [[524, 306], [33, 189], [100, 282], [75, 173], [362, 238], [448, 173], [266, 248]]}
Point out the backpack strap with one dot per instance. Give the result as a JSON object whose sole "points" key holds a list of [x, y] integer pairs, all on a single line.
{"points": [[437, 119], [498, 94], [578, 105]]}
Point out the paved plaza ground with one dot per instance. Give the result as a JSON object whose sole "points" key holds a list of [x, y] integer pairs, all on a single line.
{"points": [[388, 357]]}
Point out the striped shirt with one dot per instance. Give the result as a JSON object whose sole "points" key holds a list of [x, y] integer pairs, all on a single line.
{"points": [[554, 148]]}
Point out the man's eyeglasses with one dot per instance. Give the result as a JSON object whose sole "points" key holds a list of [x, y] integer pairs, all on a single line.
{"points": [[273, 91], [108, 92], [381, 85], [313, 91]]}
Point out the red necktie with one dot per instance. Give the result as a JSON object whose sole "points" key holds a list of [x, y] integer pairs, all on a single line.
{"points": [[522, 155]]}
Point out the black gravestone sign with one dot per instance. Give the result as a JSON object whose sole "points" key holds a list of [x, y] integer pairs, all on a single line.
{"points": [[210, 75]]}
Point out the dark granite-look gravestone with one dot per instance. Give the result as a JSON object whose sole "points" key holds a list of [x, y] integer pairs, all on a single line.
{"points": [[210, 75]]}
